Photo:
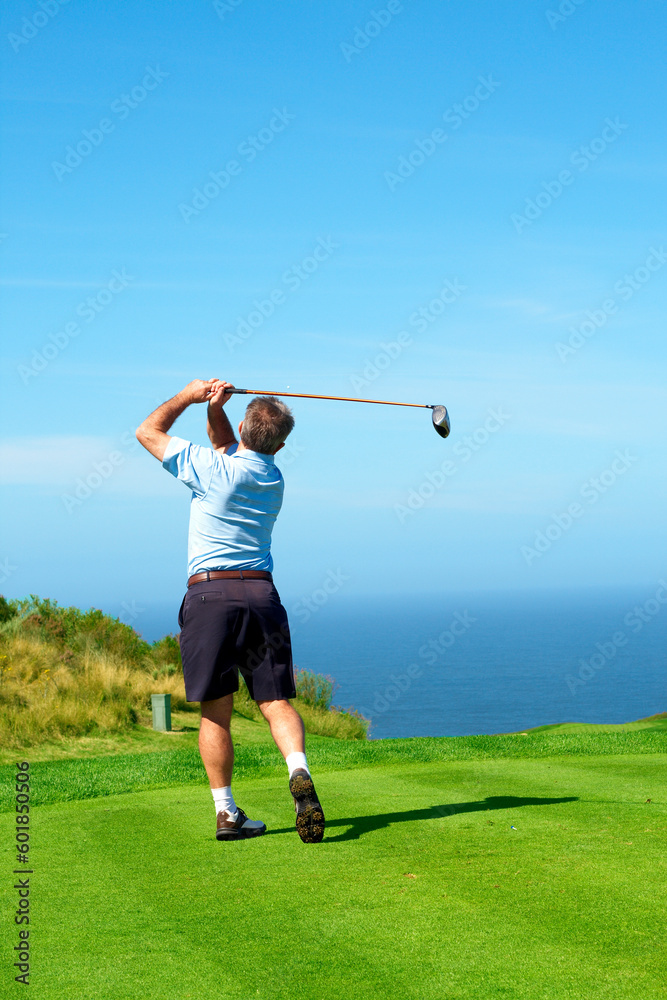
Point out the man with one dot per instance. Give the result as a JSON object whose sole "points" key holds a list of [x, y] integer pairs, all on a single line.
{"points": [[231, 617]]}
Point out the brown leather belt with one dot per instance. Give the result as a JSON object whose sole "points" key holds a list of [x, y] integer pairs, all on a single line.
{"points": [[229, 574]]}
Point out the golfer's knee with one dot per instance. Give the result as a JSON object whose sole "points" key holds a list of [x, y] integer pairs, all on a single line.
{"points": [[218, 711], [274, 709]]}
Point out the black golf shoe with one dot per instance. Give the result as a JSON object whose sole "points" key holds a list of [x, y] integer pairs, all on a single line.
{"points": [[309, 814]]}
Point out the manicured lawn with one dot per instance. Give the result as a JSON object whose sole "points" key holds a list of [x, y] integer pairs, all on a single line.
{"points": [[421, 888]]}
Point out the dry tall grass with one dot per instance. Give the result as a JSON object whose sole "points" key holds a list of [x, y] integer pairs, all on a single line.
{"points": [[44, 698]]}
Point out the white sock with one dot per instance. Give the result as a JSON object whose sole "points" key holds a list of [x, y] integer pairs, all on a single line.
{"points": [[296, 761], [224, 800]]}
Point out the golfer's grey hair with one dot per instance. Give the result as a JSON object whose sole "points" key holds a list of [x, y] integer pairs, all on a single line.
{"points": [[266, 424]]}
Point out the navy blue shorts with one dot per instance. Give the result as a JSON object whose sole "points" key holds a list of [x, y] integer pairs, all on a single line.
{"points": [[232, 625]]}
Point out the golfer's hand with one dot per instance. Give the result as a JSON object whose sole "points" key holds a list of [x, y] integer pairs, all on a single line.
{"points": [[220, 396], [199, 391]]}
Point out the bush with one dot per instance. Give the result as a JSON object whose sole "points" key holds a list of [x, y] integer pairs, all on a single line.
{"points": [[7, 610], [167, 650], [75, 630], [165, 653], [314, 689]]}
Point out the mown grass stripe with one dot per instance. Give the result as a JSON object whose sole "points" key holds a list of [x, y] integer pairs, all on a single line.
{"points": [[71, 780]]}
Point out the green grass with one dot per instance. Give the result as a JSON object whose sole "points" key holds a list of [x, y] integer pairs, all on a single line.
{"points": [[652, 722], [65, 780], [528, 865], [420, 890]]}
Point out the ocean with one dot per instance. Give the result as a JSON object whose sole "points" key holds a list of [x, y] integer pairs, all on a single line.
{"points": [[483, 663]]}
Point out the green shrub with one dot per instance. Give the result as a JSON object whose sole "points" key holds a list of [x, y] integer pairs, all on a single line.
{"points": [[165, 654], [314, 689], [7, 610], [167, 650], [76, 630]]}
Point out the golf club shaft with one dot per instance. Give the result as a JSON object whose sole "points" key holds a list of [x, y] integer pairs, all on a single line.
{"points": [[346, 399]]}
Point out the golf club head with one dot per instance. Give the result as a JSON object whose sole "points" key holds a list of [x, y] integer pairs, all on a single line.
{"points": [[441, 421]]}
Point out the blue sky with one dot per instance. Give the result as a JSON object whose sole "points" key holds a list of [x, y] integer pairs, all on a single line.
{"points": [[483, 183]]}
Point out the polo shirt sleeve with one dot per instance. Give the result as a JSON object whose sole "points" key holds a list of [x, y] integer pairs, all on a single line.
{"points": [[190, 463]]}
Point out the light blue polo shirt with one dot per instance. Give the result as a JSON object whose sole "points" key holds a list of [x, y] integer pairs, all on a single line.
{"points": [[235, 503]]}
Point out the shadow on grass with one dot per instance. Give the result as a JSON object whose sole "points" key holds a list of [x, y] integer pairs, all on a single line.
{"points": [[360, 825]]}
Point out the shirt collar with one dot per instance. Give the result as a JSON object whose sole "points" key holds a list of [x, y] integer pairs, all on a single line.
{"points": [[255, 456]]}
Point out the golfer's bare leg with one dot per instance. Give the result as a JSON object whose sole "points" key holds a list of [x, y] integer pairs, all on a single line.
{"points": [[215, 741], [285, 724]]}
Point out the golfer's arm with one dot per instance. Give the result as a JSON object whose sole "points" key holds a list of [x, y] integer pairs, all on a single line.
{"points": [[153, 432], [219, 429]]}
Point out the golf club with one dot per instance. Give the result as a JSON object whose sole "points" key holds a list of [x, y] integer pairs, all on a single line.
{"points": [[440, 415]]}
